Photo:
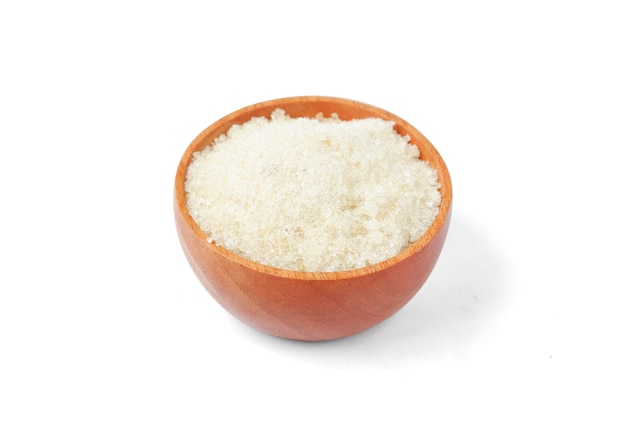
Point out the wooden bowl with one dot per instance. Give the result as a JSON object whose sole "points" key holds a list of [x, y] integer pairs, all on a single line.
{"points": [[311, 305]]}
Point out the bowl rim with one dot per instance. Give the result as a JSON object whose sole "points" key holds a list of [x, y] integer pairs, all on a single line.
{"points": [[223, 124]]}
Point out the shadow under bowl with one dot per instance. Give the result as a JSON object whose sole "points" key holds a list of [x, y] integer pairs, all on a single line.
{"points": [[311, 306]]}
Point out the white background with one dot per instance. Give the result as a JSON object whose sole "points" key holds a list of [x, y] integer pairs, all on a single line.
{"points": [[107, 337]]}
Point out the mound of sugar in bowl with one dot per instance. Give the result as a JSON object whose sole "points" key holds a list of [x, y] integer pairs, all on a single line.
{"points": [[312, 194]]}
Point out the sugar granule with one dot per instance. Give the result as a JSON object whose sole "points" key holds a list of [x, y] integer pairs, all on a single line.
{"points": [[318, 194]]}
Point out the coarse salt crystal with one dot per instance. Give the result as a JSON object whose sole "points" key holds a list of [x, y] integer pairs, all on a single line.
{"points": [[317, 194]]}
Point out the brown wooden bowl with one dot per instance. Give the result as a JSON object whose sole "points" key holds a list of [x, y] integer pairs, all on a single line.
{"points": [[311, 305]]}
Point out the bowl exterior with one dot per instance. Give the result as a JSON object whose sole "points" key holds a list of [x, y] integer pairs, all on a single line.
{"points": [[308, 309], [310, 306]]}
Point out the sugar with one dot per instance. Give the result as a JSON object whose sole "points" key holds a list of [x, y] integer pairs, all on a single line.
{"points": [[312, 194]]}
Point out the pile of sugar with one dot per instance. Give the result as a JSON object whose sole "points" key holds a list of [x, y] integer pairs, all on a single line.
{"points": [[318, 194]]}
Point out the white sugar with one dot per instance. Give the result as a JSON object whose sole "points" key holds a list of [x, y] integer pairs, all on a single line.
{"points": [[312, 194]]}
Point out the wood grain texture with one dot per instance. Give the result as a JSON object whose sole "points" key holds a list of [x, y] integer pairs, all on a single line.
{"points": [[311, 305]]}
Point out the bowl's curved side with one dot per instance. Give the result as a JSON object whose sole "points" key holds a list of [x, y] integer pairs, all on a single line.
{"points": [[309, 310]]}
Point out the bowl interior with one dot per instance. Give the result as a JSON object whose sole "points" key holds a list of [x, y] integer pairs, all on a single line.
{"points": [[309, 106]]}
